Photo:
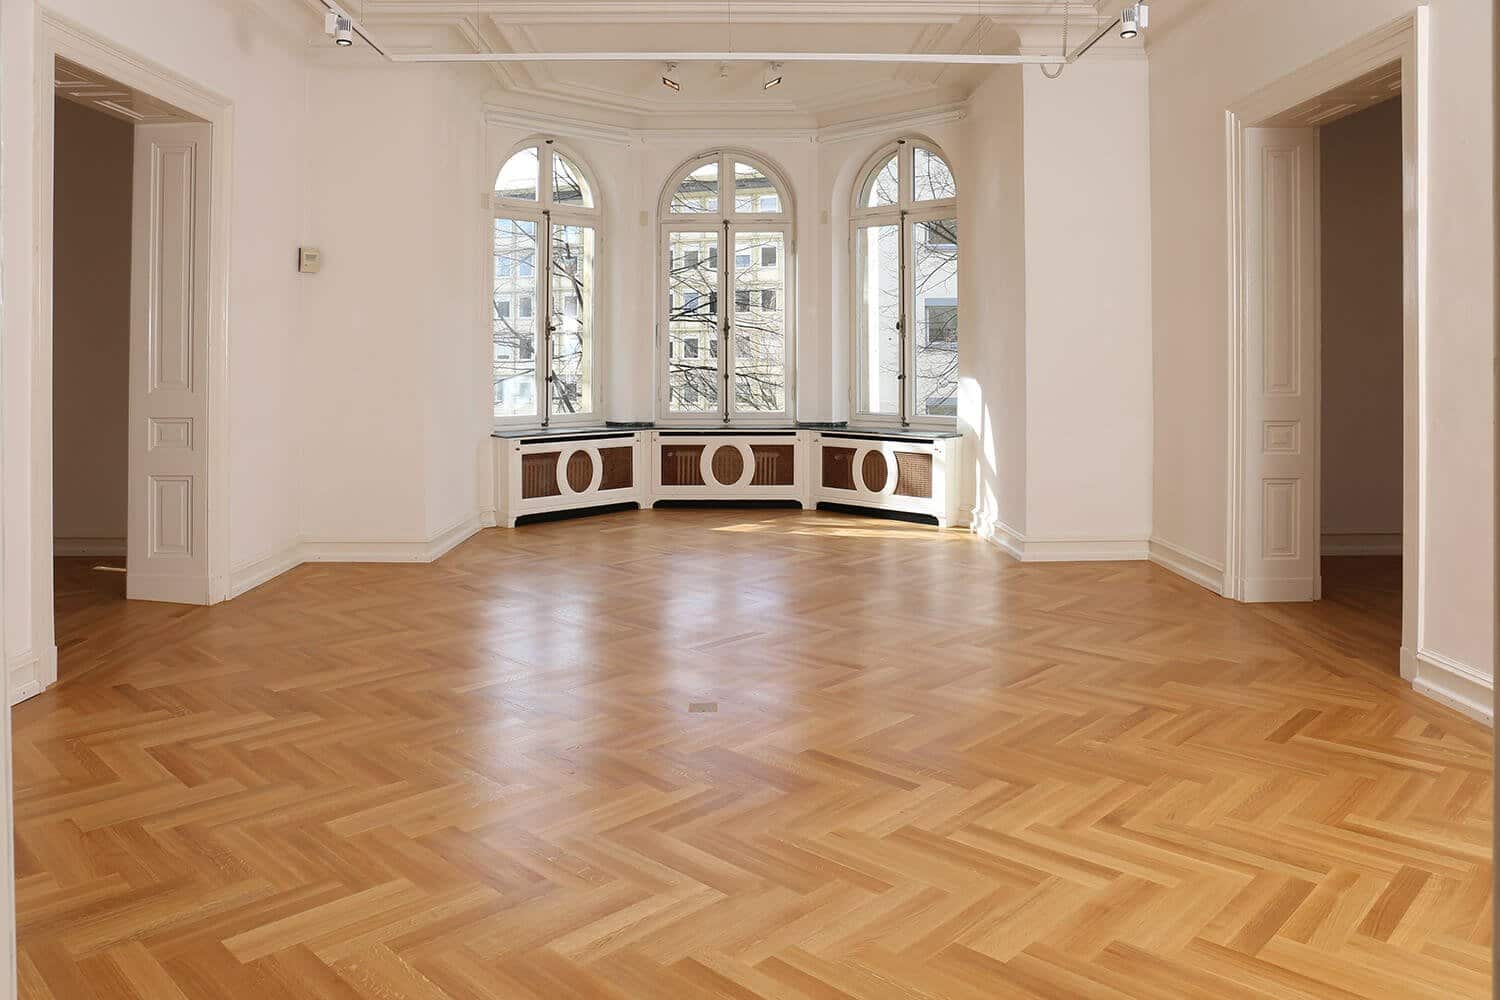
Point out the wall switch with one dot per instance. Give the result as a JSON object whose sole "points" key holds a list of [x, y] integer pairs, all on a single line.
{"points": [[309, 260]]}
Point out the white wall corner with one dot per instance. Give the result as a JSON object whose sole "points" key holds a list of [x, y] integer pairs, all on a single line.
{"points": [[988, 526], [247, 576], [1070, 549], [1187, 564], [1457, 685], [31, 673], [488, 517], [382, 551]]}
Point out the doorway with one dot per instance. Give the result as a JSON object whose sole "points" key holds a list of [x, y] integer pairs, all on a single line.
{"points": [[176, 426], [1360, 323], [1302, 466]]}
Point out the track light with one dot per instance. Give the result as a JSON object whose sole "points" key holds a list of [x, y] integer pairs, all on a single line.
{"points": [[773, 75], [669, 77], [1134, 19], [340, 28]]}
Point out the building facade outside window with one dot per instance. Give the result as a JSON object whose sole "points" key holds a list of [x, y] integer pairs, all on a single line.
{"points": [[725, 339], [906, 309], [546, 246]]}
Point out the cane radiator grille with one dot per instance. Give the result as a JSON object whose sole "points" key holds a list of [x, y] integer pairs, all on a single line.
{"points": [[913, 474], [775, 465], [580, 471], [728, 465], [681, 465], [875, 471], [838, 468], [619, 468], [539, 475]]}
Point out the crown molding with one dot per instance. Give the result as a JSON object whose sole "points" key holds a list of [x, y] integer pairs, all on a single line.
{"points": [[743, 12], [546, 123]]}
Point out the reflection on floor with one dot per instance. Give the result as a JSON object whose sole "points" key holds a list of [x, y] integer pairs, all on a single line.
{"points": [[747, 754], [95, 624]]}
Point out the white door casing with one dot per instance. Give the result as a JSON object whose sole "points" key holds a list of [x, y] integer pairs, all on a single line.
{"points": [[168, 495], [1281, 551]]}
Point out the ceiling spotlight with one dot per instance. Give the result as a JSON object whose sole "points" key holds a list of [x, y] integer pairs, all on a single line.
{"points": [[669, 77], [1134, 19], [773, 75], [339, 27]]}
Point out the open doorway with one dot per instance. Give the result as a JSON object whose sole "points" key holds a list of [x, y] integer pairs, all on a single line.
{"points": [[130, 217], [1360, 210], [93, 174]]}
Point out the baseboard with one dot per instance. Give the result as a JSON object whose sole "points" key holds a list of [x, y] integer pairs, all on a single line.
{"points": [[1361, 543], [372, 551], [1187, 564], [1455, 684], [31, 673], [489, 518], [995, 531], [95, 548], [1073, 549], [248, 576]]}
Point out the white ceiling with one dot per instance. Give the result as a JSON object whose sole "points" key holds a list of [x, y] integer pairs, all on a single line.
{"points": [[812, 94]]}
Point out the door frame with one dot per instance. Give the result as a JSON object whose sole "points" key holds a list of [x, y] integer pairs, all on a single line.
{"points": [[1403, 41], [56, 37]]}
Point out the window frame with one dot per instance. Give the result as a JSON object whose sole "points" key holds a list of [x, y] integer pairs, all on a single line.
{"points": [[905, 216], [546, 212], [726, 222]]}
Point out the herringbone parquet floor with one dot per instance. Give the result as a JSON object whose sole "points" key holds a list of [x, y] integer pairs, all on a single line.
{"points": [[745, 754]]}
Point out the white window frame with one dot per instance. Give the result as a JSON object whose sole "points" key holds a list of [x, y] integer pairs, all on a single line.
{"points": [[544, 213], [905, 215], [726, 222]]}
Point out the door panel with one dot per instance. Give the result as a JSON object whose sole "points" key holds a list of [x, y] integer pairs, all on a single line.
{"points": [[168, 545], [1281, 556]]}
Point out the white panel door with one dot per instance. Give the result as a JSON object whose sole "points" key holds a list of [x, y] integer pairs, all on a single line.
{"points": [[1281, 556], [168, 544]]}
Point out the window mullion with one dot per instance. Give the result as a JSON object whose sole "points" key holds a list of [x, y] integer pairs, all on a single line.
{"points": [[726, 289]]}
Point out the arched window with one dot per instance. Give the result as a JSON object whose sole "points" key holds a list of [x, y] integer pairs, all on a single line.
{"points": [[726, 290], [906, 287], [546, 242]]}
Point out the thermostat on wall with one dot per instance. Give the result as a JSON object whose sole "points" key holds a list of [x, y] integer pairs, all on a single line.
{"points": [[309, 260]]}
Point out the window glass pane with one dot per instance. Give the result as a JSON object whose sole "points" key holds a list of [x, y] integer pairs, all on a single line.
{"points": [[759, 330], [693, 323], [572, 291], [753, 191], [514, 331], [568, 185], [878, 311], [934, 181], [518, 178], [935, 284], [699, 191], [883, 187]]}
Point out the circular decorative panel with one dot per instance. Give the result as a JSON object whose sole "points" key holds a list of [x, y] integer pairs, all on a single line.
{"points": [[729, 464], [875, 471], [580, 471]]}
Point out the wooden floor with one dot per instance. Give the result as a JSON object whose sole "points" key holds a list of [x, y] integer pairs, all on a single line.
{"points": [[746, 754]]}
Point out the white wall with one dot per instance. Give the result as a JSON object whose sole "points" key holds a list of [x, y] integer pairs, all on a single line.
{"points": [[1088, 308], [1361, 205], [236, 51], [1226, 52], [91, 329]]}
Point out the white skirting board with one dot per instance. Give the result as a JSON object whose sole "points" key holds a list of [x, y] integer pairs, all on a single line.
{"points": [[96, 548], [1455, 684], [1075, 549], [1188, 564], [248, 576], [1361, 543]]}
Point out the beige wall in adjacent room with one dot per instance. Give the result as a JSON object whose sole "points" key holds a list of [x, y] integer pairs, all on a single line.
{"points": [[1362, 322], [91, 323]]}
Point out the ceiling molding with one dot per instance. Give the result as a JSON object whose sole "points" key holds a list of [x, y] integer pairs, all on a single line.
{"points": [[876, 125], [743, 11], [557, 125]]}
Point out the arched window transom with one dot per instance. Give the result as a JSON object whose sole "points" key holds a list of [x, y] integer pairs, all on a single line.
{"points": [[905, 222], [726, 290], [546, 241]]}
